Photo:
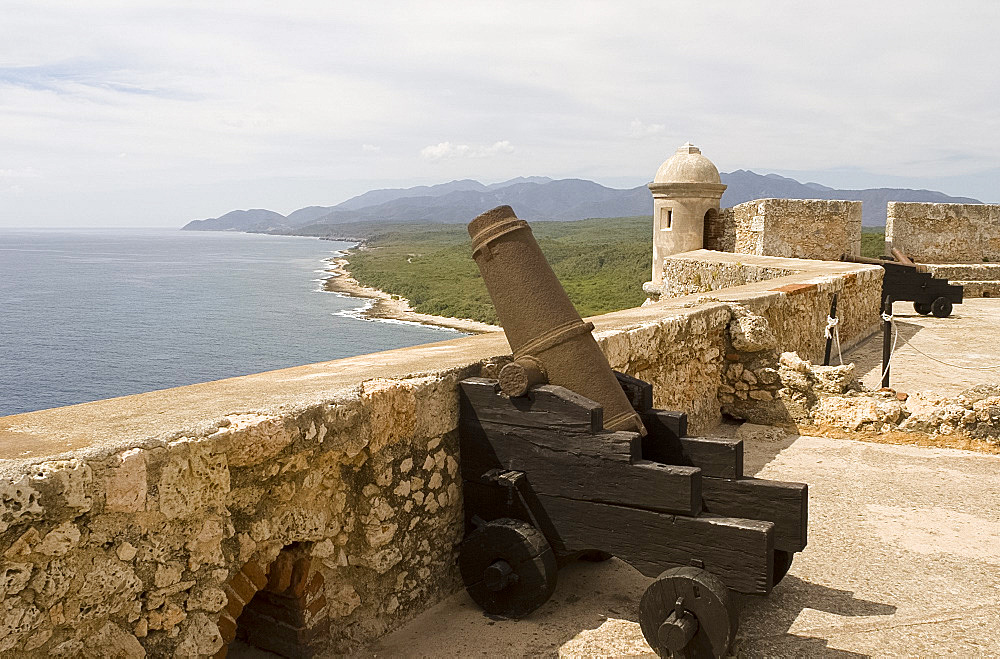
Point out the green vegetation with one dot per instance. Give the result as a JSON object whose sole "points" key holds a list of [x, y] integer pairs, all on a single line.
{"points": [[602, 263], [873, 242]]}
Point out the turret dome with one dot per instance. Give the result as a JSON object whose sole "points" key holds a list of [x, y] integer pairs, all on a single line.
{"points": [[687, 166]]}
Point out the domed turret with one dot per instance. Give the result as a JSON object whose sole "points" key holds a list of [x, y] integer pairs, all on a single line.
{"points": [[686, 193], [687, 166]]}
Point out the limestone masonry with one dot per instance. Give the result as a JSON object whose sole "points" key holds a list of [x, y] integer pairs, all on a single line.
{"points": [[687, 217], [314, 508], [944, 233], [798, 228]]}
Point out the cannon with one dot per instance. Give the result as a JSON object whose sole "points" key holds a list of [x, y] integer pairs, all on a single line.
{"points": [[547, 479], [549, 340], [906, 281]]}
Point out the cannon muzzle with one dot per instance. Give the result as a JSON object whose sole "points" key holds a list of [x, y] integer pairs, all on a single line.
{"points": [[549, 340]]}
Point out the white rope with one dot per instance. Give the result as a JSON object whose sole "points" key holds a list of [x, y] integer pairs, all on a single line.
{"points": [[831, 323], [892, 351], [832, 331], [836, 338], [966, 368]]}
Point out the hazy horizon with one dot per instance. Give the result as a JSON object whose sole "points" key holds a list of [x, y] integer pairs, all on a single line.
{"points": [[116, 115]]}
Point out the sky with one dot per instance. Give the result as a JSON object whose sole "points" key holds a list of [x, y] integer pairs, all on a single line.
{"points": [[154, 113]]}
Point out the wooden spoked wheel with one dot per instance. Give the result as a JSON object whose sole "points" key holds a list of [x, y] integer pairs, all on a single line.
{"points": [[941, 307], [508, 567], [688, 612]]}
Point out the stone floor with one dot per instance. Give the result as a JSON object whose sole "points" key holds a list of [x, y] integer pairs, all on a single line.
{"points": [[967, 340], [903, 560]]}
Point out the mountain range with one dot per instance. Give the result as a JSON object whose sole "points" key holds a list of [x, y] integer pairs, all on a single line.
{"points": [[539, 198]]}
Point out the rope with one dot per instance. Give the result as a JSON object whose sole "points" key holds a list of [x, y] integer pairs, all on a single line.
{"points": [[892, 351], [965, 368], [832, 331], [831, 323]]}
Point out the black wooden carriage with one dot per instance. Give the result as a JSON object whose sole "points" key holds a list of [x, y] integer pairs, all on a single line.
{"points": [[544, 484], [906, 281], [929, 294]]}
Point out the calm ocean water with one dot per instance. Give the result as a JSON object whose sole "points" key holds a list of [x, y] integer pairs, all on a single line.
{"points": [[96, 313]]}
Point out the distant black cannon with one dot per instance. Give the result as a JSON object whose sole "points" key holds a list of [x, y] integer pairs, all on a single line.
{"points": [[547, 482], [906, 281]]}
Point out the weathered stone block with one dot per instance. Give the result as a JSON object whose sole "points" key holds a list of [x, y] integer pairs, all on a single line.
{"points": [[125, 487], [751, 333]]}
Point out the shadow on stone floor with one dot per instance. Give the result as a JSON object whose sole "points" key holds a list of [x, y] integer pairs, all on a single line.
{"points": [[867, 355], [766, 622], [756, 455]]}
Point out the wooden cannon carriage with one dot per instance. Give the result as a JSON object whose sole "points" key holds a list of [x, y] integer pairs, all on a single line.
{"points": [[544, 484], [563, 458], [906, 281]]}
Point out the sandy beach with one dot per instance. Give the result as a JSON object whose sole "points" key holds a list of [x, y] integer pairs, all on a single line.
{"points": [[387, 307]]}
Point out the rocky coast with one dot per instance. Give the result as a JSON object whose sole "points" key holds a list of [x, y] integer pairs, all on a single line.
{"points": [[385, 306]]}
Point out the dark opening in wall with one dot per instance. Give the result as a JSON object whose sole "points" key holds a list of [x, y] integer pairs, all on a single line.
{"points": [[280, 610], [713, 231]]}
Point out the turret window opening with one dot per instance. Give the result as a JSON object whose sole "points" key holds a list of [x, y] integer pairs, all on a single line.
{"points": [[666, 219]]}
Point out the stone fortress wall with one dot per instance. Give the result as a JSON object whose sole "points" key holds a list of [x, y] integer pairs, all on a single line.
{"points": [[687, 189], [959, 242], [797, 228], [316, 508], [954, 241], [944, 233], [145, 524]]}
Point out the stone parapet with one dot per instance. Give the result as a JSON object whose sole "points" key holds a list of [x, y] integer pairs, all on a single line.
{"points": [[944, 233], [705, 270], [324, 500], [976, 279], [797, 228]]}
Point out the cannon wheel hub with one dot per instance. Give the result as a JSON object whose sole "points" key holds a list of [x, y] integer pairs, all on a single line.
{"points": [[688, 612], [508, 567]]}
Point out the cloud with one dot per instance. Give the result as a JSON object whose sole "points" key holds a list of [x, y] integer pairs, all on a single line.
{"points": [[447, 150], [639, 129], [207, 95], [27, 172]]}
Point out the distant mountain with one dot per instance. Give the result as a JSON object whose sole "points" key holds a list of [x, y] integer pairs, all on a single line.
{"points": [[376, 197], [307, 215], [519, 179], [567, 199], [745, 185], [256, 220], [540, 198]]}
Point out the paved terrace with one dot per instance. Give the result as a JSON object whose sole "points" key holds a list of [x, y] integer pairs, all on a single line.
{"points": [[965, 346], [903, 560]]}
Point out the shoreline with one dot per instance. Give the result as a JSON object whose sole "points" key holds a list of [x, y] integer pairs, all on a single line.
{"points": [[384, 306]]}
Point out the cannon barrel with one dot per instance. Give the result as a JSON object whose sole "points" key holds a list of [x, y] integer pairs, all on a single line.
{"points": [[548, 338], [901, 257], [908, 263]]}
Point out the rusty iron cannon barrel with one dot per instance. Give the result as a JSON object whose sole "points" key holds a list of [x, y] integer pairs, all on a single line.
{"points": [[550, 341], [901, 257]]}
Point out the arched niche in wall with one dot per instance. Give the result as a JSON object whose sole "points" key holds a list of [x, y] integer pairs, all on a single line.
{"points": [[713, 233]]}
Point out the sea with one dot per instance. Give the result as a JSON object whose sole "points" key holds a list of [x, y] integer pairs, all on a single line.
{"points": [[87, 314]]}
